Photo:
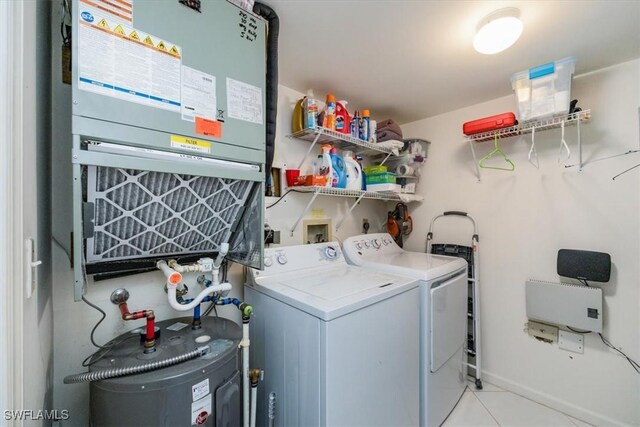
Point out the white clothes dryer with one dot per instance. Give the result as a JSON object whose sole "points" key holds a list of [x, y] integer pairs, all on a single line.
{"points": [[339, 344], [443, 316]]}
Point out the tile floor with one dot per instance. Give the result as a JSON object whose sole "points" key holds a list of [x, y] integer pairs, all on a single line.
{"points": [[493, 406]]}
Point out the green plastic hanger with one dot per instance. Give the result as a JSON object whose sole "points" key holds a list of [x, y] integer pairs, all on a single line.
{"points": [[495, 151]]}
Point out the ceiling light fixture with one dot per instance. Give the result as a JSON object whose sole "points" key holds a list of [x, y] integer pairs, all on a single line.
{"points": [[497, 31]]}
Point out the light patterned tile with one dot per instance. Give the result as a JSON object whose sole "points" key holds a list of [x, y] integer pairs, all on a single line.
{"points": [[512, 410], [469, 412], [579, 423]]}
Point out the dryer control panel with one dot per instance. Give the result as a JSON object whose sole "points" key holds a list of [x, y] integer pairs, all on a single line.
{"points": [[291, 258]]}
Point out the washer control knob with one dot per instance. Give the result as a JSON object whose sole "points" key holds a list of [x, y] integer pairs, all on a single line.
{"points": [[330, 253], [367, 244], [268, 262], [358, 245], [282, 260], [386, 241], [376, 243]]}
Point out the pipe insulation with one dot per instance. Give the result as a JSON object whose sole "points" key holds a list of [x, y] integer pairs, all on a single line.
{"points": [[130, 370], [272, 79]]}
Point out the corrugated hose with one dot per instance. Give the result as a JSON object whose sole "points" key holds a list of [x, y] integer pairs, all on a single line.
{"points": [[130, 370]]}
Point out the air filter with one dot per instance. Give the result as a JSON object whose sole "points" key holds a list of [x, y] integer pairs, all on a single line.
{"points": [[141, 214]]}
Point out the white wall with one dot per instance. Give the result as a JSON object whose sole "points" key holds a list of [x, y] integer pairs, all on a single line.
{"points": [[524, 217], [74, 321], [37, 345]]}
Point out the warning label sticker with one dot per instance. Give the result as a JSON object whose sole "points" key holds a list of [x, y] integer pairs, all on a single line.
{"points": [[191, 144], [119, 61], [200, 411], [120, 11]]}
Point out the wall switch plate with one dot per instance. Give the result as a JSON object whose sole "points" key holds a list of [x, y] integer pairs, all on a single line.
{"points": [[571, 342], [542, 331]]}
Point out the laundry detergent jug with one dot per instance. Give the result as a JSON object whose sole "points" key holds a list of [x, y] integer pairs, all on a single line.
{"points": [[339, 177], [354, 173]]}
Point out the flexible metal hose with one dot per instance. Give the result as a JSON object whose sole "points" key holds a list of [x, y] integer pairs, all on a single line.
{"points": [[130, 370]]}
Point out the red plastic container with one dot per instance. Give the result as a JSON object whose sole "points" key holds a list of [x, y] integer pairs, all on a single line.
{"points": [[486, 124]]}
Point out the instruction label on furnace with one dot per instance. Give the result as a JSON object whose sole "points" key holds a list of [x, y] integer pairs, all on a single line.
{"points": [[198, 95], [118, 61], [244, 101]]}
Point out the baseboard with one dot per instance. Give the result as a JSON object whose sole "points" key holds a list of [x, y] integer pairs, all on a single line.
{"points": [[551, 401]]}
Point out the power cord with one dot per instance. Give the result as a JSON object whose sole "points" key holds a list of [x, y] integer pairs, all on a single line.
{"points": [[104, 315], [635, 365]]}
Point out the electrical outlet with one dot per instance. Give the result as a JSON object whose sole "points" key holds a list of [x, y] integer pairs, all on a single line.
{"points": [[542, 331], [571, 342]]}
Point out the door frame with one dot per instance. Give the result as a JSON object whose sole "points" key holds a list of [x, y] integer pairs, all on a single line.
{"points": [[12, 124]]}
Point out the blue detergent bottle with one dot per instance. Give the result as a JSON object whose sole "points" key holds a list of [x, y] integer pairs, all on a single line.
{"points": [[339, 179]]}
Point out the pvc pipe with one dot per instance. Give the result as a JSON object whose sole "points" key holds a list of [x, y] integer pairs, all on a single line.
{"points": [[223, 251], [173, 277], [245, 372], [173, 302], [254, 397], [191, 268]]}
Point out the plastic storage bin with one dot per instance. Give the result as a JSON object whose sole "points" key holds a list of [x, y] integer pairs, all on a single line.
{"points": [[370, 170], [381, 178], [544, 91]]}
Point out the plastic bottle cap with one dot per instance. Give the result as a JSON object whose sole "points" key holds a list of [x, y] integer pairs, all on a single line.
{"points": [[331, 97], [333, 150], [327, 146], [365, 113]]}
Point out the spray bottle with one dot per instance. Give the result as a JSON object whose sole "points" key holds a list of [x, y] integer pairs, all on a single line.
{"points": [[326, 168], [310, 110]]}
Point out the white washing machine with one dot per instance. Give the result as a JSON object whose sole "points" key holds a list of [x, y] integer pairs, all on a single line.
{"points": [[443, 316], [339, 344]]}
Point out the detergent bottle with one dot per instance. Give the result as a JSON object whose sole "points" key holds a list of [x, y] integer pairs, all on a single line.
{"points": [[310, 110], [362, 174], [339, 178], [342, 118], [330, 113], [298, 116], [326, 168], [354, 173]]}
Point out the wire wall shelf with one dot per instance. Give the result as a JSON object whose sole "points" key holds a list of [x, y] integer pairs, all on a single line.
{"points": [[341, 140], [532, 127], [341, 192], [527, 127]]}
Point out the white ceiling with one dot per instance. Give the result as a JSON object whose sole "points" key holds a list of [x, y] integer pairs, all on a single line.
{"points": [[409, 60]]}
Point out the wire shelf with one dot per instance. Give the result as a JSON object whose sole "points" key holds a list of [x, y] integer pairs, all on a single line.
{"points": [[341, 192], [527, 127], [323, 135]]}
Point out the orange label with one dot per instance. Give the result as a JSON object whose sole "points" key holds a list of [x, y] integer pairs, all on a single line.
{"points": [[208, 127]]}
